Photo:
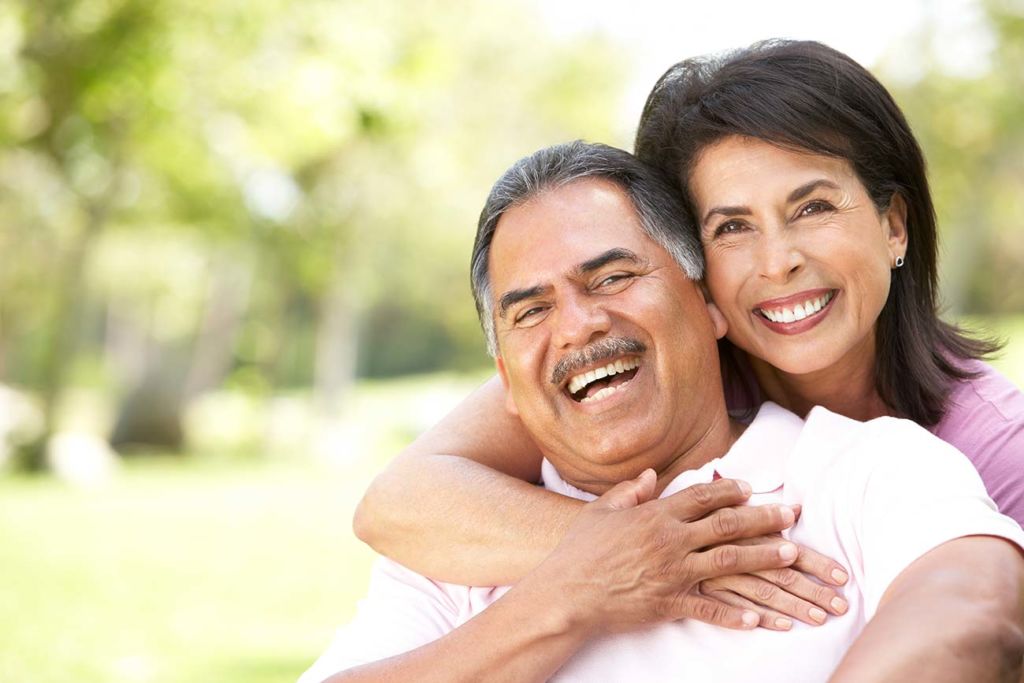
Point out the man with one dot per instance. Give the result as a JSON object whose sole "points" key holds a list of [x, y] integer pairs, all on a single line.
{"points": [[586, 287]]}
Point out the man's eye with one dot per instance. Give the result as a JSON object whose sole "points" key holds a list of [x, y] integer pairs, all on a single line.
{"points": [[614, 279], [528, 314], [814, 207]]}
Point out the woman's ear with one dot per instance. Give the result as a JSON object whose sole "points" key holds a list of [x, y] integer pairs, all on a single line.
{"points": [[717, 320], [895, 220], [510, 405]]}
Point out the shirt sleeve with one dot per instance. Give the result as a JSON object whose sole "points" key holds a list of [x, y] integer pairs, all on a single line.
{"points": [[986, 422], [401, 612], [919, 492]]}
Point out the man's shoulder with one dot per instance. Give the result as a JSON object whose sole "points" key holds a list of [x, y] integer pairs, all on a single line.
{"points": [[887, 446]]}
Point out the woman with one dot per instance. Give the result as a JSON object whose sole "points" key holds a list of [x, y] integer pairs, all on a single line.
{"points": [[810, 197]]}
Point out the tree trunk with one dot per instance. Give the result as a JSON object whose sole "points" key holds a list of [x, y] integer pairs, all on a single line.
{"points": [[336, 347], [69, 299]]}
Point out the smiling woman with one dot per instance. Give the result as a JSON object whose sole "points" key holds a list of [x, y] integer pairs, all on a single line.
{"points": [[801, 274], [804, 183]]}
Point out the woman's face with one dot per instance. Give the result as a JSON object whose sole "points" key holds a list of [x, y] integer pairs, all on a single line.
{"points": [[798, 257]]}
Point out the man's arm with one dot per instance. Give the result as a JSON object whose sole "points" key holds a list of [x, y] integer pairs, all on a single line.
{"points": [[955, 614], [590, 585]]}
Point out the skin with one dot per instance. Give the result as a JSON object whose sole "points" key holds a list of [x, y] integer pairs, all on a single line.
{"points": [[480, 456], [587, 587], [776, 223], [622, 285]]}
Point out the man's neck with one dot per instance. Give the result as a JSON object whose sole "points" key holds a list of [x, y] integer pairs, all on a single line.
{"points": [[721, 433]]}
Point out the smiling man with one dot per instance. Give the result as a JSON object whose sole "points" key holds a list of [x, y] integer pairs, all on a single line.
{"points": [[586, 284]]}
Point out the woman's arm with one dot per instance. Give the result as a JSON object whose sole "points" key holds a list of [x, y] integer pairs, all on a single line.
{"points": [[955, 614], [456, 506]]}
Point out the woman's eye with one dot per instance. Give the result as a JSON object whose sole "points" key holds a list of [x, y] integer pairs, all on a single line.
{"points": [[817, 206], [728, 228]]}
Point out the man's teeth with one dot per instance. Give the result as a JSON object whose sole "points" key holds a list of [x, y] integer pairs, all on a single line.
{"points": [[583, 379], [797, 312], [598, 395]]}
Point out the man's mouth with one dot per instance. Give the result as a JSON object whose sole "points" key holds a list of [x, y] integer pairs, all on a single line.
{"points": [[601, 382], [795, 311]]}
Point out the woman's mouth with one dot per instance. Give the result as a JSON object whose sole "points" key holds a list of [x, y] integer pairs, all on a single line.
{"points": [[794, 311]]}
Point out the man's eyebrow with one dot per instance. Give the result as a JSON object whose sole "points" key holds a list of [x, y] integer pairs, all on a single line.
{"points": [[794, 196], [514, 296], [601, 260]]}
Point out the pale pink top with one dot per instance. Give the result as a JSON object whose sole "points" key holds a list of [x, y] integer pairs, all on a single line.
{"points": [[875, 495], [984, 420]]}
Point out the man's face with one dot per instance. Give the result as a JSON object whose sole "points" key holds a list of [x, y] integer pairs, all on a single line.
{"points": [[607, 348]]}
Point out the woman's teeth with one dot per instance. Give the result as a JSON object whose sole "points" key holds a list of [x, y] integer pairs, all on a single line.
{"points": [[585, 378], [799, 311]]}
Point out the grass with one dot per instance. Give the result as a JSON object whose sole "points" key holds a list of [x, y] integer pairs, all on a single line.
{"points": [[213, 568], [178, 573], [210, 569]]}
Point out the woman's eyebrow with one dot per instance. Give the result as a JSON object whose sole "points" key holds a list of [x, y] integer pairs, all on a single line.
{"points": [[726, 211], [807, 188], [794, 196]]}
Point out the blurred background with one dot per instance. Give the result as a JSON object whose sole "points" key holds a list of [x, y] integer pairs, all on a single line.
{"points": [[234, 240]]}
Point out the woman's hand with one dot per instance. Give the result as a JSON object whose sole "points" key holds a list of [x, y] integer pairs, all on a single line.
{"points": [[806, 590]]}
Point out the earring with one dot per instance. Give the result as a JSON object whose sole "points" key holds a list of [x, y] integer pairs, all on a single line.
{"points": [[899, 261]]}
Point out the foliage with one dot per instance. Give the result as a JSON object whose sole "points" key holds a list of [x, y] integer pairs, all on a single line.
{"points": [[276, 191], [972, 129]]}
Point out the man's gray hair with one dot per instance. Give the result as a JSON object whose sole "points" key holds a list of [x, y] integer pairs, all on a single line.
{"points": [[658, 205]]}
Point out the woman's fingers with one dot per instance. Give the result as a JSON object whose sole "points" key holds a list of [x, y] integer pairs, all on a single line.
{"points": [[772, 600], [769, 618], [794, 584]]}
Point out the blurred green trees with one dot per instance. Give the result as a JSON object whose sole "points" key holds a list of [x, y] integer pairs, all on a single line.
{"points": [[972, 130], [272, 196], [262, 193]]}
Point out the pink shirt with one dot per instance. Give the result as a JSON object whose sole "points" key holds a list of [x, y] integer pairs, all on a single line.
{"points": [[985, 421], [875, 495]]}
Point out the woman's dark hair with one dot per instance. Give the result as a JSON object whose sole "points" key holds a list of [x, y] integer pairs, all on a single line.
{"points": [[806, 96]]}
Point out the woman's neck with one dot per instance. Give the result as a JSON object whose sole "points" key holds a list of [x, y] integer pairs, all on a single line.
{"points": [[847, 387]]}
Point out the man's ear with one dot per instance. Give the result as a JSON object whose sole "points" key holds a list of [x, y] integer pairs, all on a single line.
{"points": [[718, 320], [510, 405], [895, 219]]}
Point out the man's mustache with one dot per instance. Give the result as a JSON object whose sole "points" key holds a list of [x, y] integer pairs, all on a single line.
{"points": [[609, 347]]}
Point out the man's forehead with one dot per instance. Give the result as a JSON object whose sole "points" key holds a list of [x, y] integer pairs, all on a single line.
{"points": [[563, 228]]}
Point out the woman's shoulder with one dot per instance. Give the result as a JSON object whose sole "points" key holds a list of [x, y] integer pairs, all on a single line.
{"points": [[985, 421], [989, 397]]}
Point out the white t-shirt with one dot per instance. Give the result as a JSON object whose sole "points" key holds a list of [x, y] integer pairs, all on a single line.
{"points": [[876, 496]]}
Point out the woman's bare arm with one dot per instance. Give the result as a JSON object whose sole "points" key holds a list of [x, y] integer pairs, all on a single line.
{"points": [[456, 504]]}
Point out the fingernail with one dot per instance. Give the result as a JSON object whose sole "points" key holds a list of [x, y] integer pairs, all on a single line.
{"points": [[750, 619], [818, 615], [839, 576], [745, 488], [783, 623], [839, 605], [787, 551]]}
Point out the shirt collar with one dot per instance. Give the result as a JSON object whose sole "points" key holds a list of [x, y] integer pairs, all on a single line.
{"points": [[758, 457]]}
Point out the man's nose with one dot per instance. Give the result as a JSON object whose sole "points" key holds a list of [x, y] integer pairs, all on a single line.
{"points": [[580, 319], [780, 258]]}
